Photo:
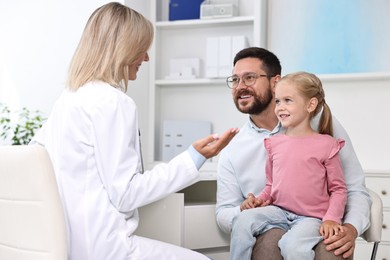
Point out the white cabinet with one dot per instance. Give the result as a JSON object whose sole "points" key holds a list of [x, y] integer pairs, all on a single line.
{"points": [[379, 183], [200, 98], [187, 218]]}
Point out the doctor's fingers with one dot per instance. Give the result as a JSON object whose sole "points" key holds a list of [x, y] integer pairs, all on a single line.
{"points": [[225, 138], [213, 144]]}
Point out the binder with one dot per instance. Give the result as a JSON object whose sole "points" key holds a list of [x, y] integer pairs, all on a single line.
{"points": [[184, 9]]}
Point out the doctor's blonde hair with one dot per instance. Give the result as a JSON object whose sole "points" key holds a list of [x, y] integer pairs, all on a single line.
{"points": [[114, 37], [310, 86]]}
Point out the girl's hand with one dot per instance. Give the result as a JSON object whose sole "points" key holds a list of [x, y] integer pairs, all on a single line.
{"points": [[252, 202], [249, 202], [330, 228]]}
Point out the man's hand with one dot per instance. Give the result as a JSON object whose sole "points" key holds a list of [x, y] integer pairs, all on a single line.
{"points": [[344, 242], [211, 145]]}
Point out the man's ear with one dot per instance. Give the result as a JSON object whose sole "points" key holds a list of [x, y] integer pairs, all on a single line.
{"points": [[312, 104], [274, 80]]}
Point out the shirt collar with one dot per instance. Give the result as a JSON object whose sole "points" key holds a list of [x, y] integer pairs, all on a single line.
{"points": [[278, 128]]}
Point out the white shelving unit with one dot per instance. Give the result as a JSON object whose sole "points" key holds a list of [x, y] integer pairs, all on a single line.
{"points": [[187, 218], [200, 98]]}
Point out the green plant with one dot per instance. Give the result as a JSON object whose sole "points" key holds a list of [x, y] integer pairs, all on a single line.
{"points": [[23, 130]]}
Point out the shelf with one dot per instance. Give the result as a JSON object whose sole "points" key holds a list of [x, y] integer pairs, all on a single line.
{"points": [[197, 23], [200, 204], [323, 77], [178, 99], [190, 82], [377, 172], [355, 76]]}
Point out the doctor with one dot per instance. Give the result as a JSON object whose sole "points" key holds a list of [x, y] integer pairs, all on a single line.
{"points": [[92, 139]]}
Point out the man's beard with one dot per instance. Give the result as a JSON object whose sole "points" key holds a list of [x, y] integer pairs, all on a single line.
{"points": [[260, 103]]}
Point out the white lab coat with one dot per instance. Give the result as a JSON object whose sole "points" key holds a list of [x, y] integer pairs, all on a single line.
{"points": [[92, 139]]}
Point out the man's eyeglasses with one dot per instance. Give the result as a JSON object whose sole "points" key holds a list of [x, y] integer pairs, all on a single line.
{"points": [[248, 79]]}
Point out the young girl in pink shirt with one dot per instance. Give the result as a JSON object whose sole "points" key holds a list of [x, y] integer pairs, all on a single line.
{"points": [[305, 193]]}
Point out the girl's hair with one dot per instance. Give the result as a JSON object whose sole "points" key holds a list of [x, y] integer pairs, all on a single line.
{"points": [[310, 86], [114, 37]]}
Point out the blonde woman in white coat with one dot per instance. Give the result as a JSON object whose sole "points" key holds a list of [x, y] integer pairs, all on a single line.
{"points": [[92, 139]]}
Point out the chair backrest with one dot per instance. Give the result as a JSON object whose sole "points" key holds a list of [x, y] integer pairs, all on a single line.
{"points": [[32, 224], [374, 232]]}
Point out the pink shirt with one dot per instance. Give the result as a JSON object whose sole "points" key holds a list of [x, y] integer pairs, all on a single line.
{"points": [[304, 176]]}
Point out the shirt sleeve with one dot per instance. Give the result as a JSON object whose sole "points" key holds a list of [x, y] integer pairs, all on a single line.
{"points": [[229, 196], [266, 192], [198, 158], [336, 184], [357, 211]]}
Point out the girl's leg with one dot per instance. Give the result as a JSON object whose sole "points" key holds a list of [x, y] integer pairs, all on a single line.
{"points": [[303, 236], [250, 223]]}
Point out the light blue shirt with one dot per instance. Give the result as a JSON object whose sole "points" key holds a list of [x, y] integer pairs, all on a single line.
{"points": [[241, 170], [197, 157]]}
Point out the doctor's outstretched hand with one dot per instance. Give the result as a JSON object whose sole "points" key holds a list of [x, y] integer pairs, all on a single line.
{"points": [[211, 145]]}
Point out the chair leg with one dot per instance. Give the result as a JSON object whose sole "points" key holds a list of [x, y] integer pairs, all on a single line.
{"points": [[374, 249]]}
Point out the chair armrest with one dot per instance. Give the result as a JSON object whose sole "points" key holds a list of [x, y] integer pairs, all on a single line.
{"points": [[374, 232]]}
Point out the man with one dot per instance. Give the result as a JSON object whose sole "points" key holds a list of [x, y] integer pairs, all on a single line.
{"points": [[241, 166]]}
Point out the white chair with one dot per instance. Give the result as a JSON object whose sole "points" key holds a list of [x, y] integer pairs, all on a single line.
{"points": [[374, 233], [32, 224]]}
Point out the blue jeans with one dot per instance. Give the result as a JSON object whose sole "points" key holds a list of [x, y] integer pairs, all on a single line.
{"points": [[302, 232]]}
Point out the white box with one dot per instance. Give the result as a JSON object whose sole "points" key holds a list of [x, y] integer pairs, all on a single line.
{"points": [[212, 44], [210, 9], [239, 42], [225, 62], [183, 68], [220, 52], [178, 135]]}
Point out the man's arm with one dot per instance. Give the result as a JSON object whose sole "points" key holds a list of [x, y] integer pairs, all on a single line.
{"points": [[357, 212], [229, 196]]}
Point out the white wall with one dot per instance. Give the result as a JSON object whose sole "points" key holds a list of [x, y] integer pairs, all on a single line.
{"points": [[354, 38], [359, 102], [38, 39]]}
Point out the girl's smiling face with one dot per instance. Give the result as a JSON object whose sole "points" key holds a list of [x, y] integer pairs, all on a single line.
{"points": [[292, 109]]}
